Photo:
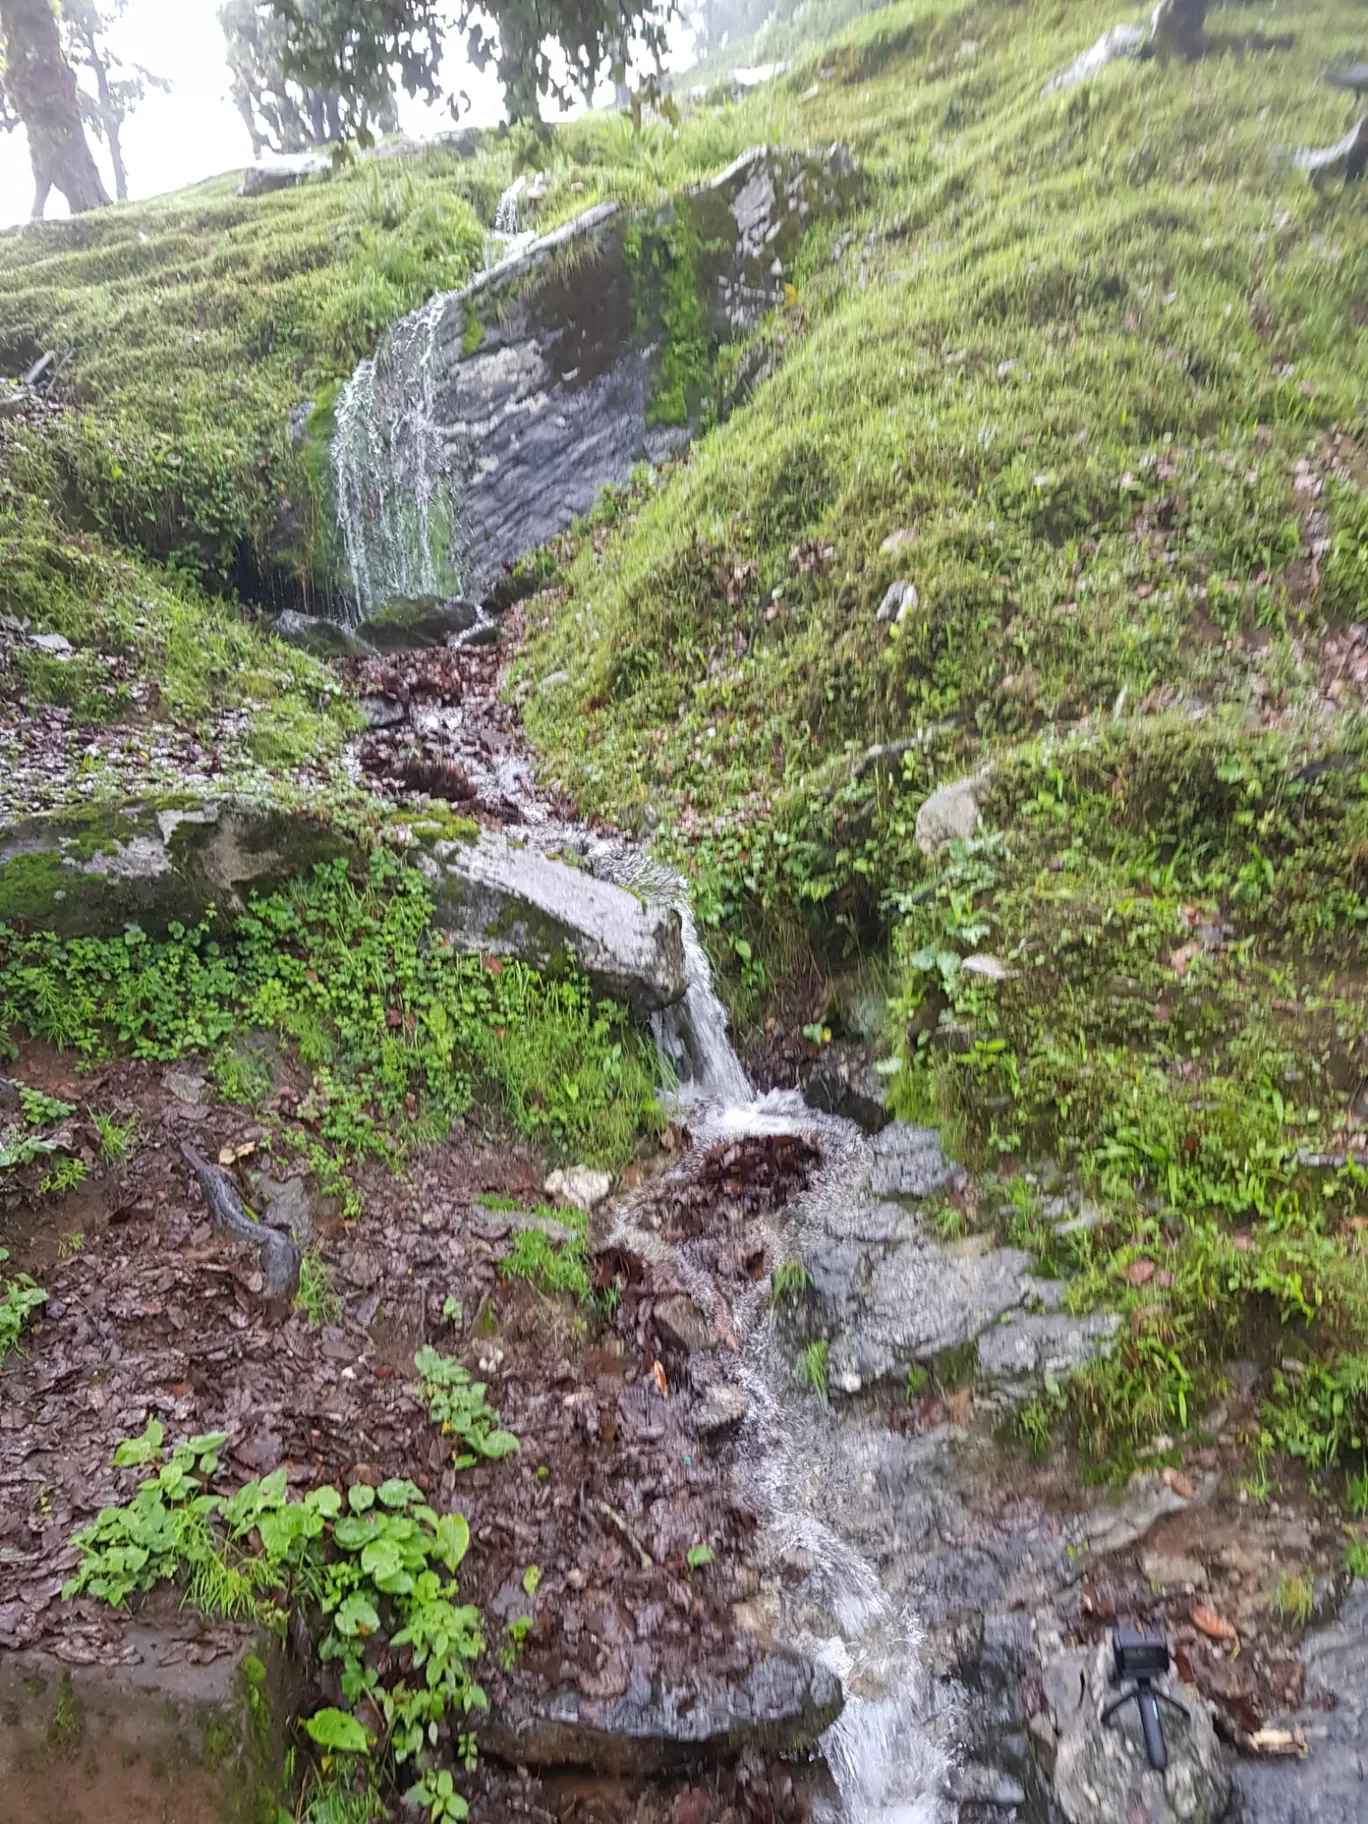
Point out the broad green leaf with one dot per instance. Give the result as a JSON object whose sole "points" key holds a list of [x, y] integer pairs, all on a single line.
{"points": [[338, 1732]]}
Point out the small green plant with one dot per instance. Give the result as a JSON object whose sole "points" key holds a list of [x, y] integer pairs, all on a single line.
{"points": [[1292, 1598], [790, 1281], [70, 1244], [41, 1110], [453, 1312], [115, 1138], [64, 1176], [812, 1367], [1356, 1558], [457, 1404], [699, 1555], [317, 1295], [918, 1380], [20, 1300], [436, 1793], [1356, 1494], [518, 1630]]}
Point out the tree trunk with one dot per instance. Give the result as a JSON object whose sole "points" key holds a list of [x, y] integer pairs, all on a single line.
{"points": [[43, 90], [109, 114]]}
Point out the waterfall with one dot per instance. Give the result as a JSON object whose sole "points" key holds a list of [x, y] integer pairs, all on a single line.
{"points": [[397, 508], [506, 219]]}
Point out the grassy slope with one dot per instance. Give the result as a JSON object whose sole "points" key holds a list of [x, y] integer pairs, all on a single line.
{"points": [[1101, 357]]}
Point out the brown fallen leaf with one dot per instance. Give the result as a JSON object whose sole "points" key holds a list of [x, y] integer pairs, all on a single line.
{"points": [[658, 1376], [1183, 957], [1139, 1272], [1180, 1484], [1214, 1626], [959, 1406]]}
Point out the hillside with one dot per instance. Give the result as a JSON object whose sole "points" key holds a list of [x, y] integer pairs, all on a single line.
{"points": [[992, 666]]}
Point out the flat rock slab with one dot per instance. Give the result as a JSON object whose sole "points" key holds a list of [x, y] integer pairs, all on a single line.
{"points": [[781, 1706], [89, 872], [501, 898], [1331, 1785], [156, 1735]]}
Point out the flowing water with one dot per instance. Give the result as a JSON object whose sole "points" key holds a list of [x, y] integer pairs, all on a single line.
{"points": [[398, 507], [889, 1751]]}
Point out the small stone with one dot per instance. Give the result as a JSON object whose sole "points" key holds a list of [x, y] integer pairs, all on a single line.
{"points": [[55, 644], [950, 814], [682, 1324], [899, 599], [579, 1187], [1170, 1570], [188, 1087], [722, 1407]]}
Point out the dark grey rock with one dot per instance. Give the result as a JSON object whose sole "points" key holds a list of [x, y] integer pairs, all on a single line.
{"points": [[382, 712], [909, 1162], [322, 638], [498, 897], [409, 625], [1018, 1355], [842, 1082], [492, 418], [287, 1206], [1331, 1785], [781, 1706]]}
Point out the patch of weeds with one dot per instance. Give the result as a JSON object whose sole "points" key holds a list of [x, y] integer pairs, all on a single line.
{"points": [[1292, 1598], [400, 1032], [317, 1296], [918, 1380], [453, 1311], [67, 1727], [456, 1403], [811, 1367], [789, 1284], [698, 1556], [115, 1138], [65, 1175], [553, 1266], [70, 1244], [1356, 1558], [20, 1300], [380, 1565]]}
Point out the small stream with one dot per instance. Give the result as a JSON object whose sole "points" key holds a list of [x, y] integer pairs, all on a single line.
{"points": [[889, 1751]]}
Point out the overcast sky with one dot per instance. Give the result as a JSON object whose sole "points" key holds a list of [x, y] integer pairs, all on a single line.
{"points": [[195, 131]]}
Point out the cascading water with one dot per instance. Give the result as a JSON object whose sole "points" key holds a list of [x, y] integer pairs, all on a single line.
{"points": [[888, 1751], [398, 507]]}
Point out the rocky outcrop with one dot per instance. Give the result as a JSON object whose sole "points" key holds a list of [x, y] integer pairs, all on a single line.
{"points": [[406, 625], [1102, 1774], [503, 898], [89, 872], [781, 1706], [492, 418]]}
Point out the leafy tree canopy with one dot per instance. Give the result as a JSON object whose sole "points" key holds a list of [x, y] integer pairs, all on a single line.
{"points": [[561, 48]]}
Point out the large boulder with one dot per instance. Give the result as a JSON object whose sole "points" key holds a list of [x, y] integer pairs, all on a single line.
{"points": [[493, 417], [501, 897], [89, 872]]}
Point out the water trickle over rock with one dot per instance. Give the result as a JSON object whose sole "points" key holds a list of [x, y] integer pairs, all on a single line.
{"points": [[492, 417]]}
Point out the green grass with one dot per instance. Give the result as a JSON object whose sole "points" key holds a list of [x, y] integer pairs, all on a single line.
{"points": [[401, 1034]]}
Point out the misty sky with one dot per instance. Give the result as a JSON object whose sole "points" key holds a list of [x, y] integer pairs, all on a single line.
{"points": [[195, 131]]}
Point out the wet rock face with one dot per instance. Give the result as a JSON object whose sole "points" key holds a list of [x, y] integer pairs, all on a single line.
{"points": [[495, 416], [1331, 1785], [782, 1705], [503, 898]]}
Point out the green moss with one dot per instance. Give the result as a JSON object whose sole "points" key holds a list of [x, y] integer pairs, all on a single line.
{"points": [[28, 886], [67, 1726], [472, 335]]}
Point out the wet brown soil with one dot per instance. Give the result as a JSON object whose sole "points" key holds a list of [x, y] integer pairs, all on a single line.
{"points": [[152, 1313]]}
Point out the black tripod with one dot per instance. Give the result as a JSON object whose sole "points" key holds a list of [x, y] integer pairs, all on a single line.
{"points": [[1142, 1659]]}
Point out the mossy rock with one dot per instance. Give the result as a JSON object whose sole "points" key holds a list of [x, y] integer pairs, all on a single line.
{"points": [[409, 625], [88, 872], [82, 1744]]}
